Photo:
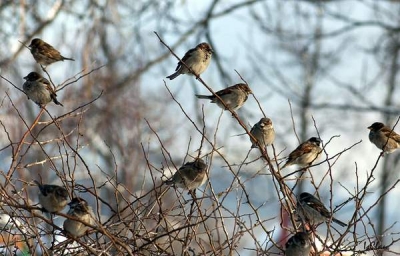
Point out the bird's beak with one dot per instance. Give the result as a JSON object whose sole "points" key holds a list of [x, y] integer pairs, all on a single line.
{"points": [[369, 127], [26, 77]]}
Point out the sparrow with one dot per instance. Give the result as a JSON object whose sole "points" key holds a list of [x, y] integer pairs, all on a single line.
{"points": [[38, 89], [234, 96], [312, 211], [52, 198], [298, 245], [79, 209], [197, 59], [383, 137], [263, 132], [190, 176], [45, 54], [306, 153]]}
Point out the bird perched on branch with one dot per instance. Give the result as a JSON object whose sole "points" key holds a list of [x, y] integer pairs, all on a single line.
{"points": [[306, 153], [384, 137], [312, 211], [234, 96], [39, 90], [80, 209], [52, 198], [45, 54], [190, 176], [197, 59], [263, 132], [298, 245]]}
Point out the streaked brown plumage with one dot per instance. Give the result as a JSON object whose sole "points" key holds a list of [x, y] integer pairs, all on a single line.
{"points": [[233, 96], [306, 153], [383, 137], [45, 54]]}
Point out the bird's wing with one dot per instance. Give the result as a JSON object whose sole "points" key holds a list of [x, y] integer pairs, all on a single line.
{"points": [[225, 91], [317, 205], [302, 149], [391, 134], [188, 54], [48, 86], [49, 51]]}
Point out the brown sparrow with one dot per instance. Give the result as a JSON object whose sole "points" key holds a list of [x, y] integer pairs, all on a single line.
{"points": [[38, 89], [190, 176], [234, 96], [298, 245], [312, 211], [263, 132], [52, 198], [80, 209], [45, 54], [306, 153], [197, 59], [383, 137]]}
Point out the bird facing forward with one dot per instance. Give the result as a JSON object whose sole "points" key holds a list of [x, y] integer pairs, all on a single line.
{"points": [[39, 90], [190, 176], [52, 198], [298, 245], [383, 137], [79, 209], [197, 59], [45, 54], [263, 132], [306, 153], [312, 211], [234, 96]]}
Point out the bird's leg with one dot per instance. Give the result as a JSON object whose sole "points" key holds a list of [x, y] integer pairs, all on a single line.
{"points": [[43, 210]]}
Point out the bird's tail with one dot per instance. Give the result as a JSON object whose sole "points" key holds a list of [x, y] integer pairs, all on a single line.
{"points": [[339, 222], [57, 102], [174, 75], [210, 97]]}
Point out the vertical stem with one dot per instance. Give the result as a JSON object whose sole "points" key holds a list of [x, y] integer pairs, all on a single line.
{"points": [[388, 163], [311, 65]]}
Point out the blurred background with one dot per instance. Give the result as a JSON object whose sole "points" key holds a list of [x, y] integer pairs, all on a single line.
{"points": [[317, 68]]}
